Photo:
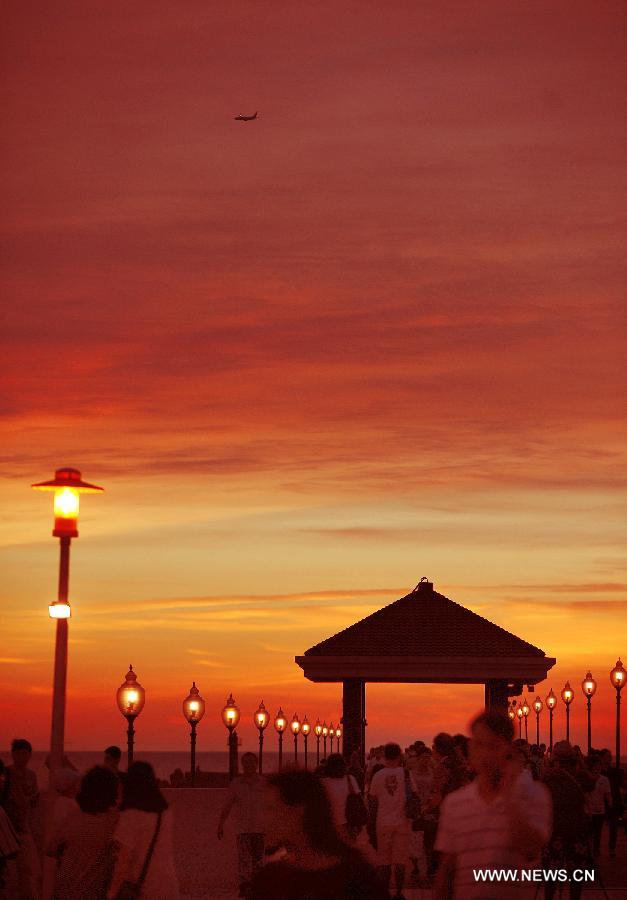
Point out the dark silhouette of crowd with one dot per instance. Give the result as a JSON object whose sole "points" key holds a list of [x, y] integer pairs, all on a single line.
{"points": [[428, 817]]}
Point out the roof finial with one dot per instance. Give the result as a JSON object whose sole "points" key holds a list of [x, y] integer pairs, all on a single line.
{"points": [[423, 585]]}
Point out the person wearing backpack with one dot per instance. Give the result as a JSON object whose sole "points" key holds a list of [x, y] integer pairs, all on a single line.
{"points": [[348, 809]]}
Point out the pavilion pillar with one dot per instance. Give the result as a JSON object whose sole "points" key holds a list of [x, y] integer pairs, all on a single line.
{"points": [[353, 716], [497, 695]]}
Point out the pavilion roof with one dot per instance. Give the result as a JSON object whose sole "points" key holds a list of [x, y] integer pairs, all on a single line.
{"points": [[423, 624]]}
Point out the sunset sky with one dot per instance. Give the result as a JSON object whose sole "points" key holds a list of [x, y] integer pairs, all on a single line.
{"points": [[378, 333]]}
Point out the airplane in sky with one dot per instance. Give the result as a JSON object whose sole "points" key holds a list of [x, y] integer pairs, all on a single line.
{"points": [[245, 118]]}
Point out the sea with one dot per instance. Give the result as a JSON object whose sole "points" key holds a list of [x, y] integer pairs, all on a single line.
{"points": [[164, 762]]}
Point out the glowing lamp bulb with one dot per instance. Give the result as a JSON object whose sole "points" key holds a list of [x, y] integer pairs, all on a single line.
{"points": [[66, 503], [59, 610], [567, 694], [617, 676], [131, 696], [193, 705]]}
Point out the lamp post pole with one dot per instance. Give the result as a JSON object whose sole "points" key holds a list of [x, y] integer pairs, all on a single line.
{"points": [[67, 486], [305, 729], [567, 696], [617, 679], [130, 740], [318, 732], [295, 726], [280, 724], [537, 705], [551, 700], [57, 735], [261, 723], [193, 710]]}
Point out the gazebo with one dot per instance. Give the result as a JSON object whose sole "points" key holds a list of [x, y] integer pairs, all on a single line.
{"points": [[423, 637]]}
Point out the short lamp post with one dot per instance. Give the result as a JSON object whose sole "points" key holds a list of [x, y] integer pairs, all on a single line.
{"points": [[280, 724], [568, 695], [617, 680], [305, 728], [325, 733], [525, 712], [295, 726], [193, 710], [230, 717], [67, 485], [589, 688], [130, 697], [519, 713], [338, 735], [551, 702], [318, 733], [538, 706], [262, 718]]}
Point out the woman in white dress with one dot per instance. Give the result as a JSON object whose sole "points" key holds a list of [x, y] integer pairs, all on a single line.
{"points": [[144, 815]]}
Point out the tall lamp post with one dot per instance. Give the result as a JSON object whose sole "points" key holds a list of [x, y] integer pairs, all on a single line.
{"points": [[338, 735], [305, 728], [519, 713], [617, 679], [551, 702], [67, 485], [568, 695], [130, 697], [262, 718], [280, 724], [318, 733], [325, 732], [193, 710], [589, 687], [295, 726], [230, 717], [525, 712], [538, 705]]}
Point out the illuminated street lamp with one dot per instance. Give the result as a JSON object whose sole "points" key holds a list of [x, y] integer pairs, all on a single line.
{"points": [[568, 695], [193, 710], [130, 697], [325, 732], [338, 735], [511, 710], [318, 733], [525, 712], [519, 713], [280, 724], [551, 702], [295, 726], [230, 717], [305, 728], [617, 679], [262, 718], [538, 705], [589, 688], [67, 485]]}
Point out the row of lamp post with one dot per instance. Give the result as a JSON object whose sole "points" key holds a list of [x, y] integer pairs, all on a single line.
{"points": [[131, 696], [521, 712], [322, 731]]}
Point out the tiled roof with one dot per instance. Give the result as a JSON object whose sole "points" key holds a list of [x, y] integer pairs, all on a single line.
{"points": [[424, 623]]}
